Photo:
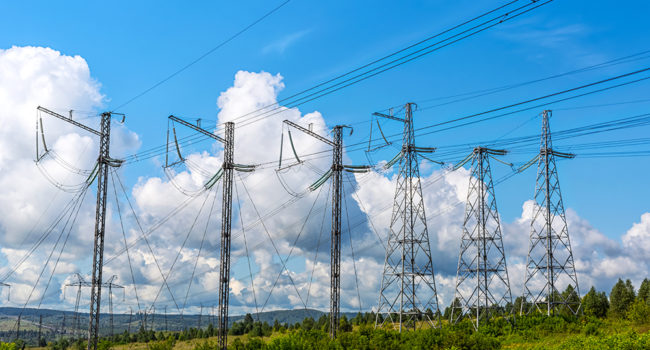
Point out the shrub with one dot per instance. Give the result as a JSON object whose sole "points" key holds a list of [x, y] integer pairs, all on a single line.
{"points": [[167, 344], [639, 312]]}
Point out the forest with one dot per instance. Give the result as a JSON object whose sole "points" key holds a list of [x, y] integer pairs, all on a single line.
{"points": [[620, 320]]}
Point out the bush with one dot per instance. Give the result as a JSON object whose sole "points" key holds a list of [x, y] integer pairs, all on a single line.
{"points": [[104, 345], [630, 340], [7, 346], [595, 303], [621, 298], [167, 344], [639, 312]]}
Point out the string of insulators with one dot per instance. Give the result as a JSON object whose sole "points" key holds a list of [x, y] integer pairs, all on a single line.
{"points": [[393, 161], [318, 183]]}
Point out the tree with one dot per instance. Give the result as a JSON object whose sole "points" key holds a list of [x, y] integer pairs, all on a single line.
{"points": [[595, 303], [308, 323], [345, 325], [572, 298], [621, 297], [639, 312], [248, 323], [644, 291], [455, 307]]}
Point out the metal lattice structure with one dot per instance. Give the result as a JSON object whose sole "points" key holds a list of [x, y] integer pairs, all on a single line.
{"points": [[226, 175], [408, 290], [104, 161], [335, 243], [111, 285], [100, 230], [76, 317], [81, 282], [550, 267], [336, 173], [482, 283], [226, 221]]}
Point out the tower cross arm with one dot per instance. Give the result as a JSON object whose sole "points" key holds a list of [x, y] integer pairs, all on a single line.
{"points": [[310, 133], [560, 154], [197, 128], [378, 114], [69, 120]]}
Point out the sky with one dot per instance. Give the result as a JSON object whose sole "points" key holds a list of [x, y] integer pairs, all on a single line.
{"points": [[92, 57]]}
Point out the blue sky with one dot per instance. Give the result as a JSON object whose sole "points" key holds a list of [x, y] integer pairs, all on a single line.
{"points": [[129, 46]]}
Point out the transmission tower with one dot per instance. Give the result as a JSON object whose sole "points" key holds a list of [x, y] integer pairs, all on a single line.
{"points": [[63, 331], [76, 319], [200, 316], [109, 283], [130, 320], [335, 173], [103, 162], [81, 282], [226, 173], [40, 328], [153, 317], [408, 288], [550, 265], [482, 283]]}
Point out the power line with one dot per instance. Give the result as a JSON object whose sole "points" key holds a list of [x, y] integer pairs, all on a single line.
{"points": [[474, 115], [221, 44], [331, 88]]}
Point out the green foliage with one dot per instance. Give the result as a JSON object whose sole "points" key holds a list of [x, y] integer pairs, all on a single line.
{"points": [[7, 346], [595, 303], [644, 291], [455, 304], [621, 298], [639, 312], [345, 325], [104, 344], [207, 345], [572, 298], [630, 340], [167, 344]]}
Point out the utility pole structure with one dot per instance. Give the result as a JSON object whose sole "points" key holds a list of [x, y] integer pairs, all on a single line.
{"points": [[104, 161], [63, 330], [76, 318], [18, 327], [200, 316], [130, 319], [550, 261], [336, 174], [226, 222], [110, 286], [166, 328], [408, 287], [40, 328], [482, 283], [335, 243], [153, 317], [226, 173]]}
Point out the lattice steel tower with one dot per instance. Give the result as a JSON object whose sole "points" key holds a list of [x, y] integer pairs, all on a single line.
{"points": [[226, 174], [482, 284], [335, 173], [408, 288], [104, 161], [550, 266]]}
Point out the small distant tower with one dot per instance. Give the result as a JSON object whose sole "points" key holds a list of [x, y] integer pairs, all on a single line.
{"points": [[551, 282]]}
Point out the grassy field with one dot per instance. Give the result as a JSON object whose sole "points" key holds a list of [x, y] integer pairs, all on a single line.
{"points": [[554, 333]]}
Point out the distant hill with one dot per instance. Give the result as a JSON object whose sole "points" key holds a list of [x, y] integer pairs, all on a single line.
{"points": [[65, 322]]}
